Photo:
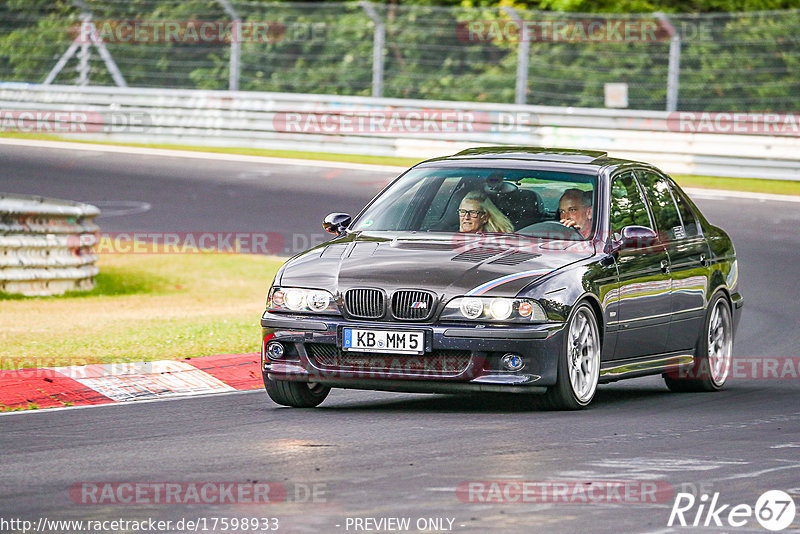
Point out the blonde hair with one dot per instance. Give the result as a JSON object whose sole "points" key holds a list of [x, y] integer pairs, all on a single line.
{"points": [[497, 222]]}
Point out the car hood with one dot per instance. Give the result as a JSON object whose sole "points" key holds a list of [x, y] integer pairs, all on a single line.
{"points": [[447, 264]]}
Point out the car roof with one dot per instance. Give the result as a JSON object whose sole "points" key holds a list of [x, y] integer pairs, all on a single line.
{"points": [[577, 160]]}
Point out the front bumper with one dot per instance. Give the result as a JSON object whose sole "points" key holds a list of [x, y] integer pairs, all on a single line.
{"points": [[458, 356]]}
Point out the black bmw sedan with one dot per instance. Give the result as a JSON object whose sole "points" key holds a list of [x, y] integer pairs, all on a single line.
{"points": [[508, 269]]}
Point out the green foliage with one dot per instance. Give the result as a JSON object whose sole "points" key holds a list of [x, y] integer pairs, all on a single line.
{"points": [[729, 61]]}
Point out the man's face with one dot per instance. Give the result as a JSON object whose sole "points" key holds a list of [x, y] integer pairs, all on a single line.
{"points": [[469, 222], [572, 208]]}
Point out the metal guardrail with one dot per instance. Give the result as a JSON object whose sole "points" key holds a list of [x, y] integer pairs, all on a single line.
{"points": [[46, 245], [258, 120]]}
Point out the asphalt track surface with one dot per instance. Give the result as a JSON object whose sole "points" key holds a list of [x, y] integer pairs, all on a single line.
{"points": [[379, 455]]}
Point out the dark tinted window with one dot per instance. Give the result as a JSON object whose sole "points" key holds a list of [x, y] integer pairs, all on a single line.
{"points": [[665, 211], [627, 206], [690, 223]]}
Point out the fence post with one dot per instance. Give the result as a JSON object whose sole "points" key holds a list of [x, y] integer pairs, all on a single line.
{"points": [[236, 45], [378, 43], [84, 54], [674, 62], [522, 56]]}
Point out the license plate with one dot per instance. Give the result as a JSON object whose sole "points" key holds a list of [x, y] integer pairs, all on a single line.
{"points": [[395, 341]]}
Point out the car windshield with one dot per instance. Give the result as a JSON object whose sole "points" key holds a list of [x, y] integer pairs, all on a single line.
{"points": [[488, 200]]}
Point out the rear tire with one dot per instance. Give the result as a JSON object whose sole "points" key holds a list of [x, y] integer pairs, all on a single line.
{"points": [[296, 394], [713, 354], [578, 364]]}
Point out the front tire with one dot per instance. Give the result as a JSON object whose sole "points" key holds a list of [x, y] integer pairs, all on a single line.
{"points": [[578, 363], [296, 394], [714, 352]]}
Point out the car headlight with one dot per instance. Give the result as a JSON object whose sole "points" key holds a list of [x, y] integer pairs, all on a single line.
{"points": [[301, 300], [494, 309]]}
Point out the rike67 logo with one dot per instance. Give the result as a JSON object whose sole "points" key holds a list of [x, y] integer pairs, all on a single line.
{"points": [[774, 510]]}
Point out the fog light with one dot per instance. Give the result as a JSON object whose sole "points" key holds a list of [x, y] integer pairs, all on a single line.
{"points": [[512, 362], [274, 350]]}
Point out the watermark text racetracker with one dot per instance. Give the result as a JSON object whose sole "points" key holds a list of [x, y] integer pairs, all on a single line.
{"points": [[424, 122], [190, 243], [581, 30], [564, 491], [210, 242], [197, 32], [134, 242], [149, 524], [754, 368], [765, 123], [75, 121], [748, 368], [188, 493]]}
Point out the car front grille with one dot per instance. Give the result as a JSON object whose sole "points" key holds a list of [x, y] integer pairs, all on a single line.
{"points": [[412, 305], [328, 357], [365, 303]]}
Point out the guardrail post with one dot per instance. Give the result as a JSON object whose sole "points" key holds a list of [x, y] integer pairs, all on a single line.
{"points": [[236, 45], [523, 52], [378, 44], [674, 62]]}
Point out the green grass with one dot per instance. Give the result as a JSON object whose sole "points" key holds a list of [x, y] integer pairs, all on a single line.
{"points": [[30, 406], [319, 156], [753, 185], [144, 307], [779, 187]]}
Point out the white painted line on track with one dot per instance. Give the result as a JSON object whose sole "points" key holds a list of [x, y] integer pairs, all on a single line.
{"points": [[170, 153], [130, 403], [755, 474]]}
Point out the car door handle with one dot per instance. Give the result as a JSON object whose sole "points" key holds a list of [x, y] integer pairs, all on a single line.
{"points": [[664, 266]]}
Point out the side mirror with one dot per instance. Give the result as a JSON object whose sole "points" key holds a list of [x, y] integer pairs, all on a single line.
{"points": [[638, 237], [336, 223], [632, 237]]}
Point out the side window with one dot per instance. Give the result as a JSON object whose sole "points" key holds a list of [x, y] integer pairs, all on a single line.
{"points": [[665, 211], [688, 217], [627, 206]]}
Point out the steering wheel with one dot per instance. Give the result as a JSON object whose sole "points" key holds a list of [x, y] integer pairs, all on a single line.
{"points": [[553, 227]]}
